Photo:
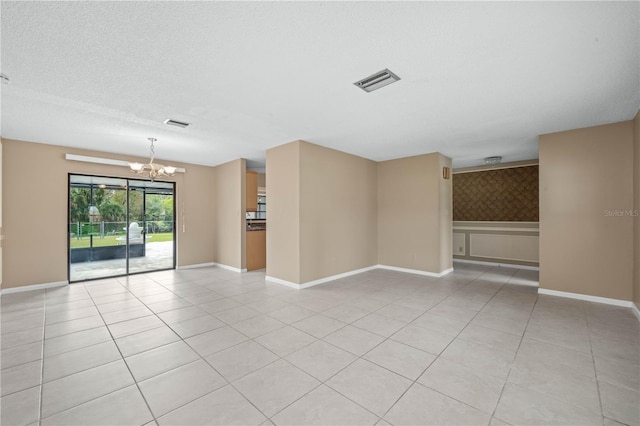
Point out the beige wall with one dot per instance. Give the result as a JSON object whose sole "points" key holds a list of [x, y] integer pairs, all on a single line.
{"points": [[283, 212], [322, 212], [636, 207], [338, 212], [34, 200], [229, 189], [445, 189], [414, 213], [585, 175]]}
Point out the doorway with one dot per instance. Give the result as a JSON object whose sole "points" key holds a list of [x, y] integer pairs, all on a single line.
{"points": [[119, 227]]}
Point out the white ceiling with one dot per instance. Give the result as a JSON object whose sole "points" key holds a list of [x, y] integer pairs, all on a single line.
{"points": [[477, 79]]}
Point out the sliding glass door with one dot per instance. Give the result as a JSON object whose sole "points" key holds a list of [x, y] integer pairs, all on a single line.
{"points": [[119, 227]]}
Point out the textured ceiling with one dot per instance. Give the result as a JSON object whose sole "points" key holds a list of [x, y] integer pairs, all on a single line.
{"points": [[477, 79]]}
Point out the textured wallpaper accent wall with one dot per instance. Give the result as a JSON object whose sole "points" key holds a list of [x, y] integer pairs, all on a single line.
{"points": [[497, 195]]}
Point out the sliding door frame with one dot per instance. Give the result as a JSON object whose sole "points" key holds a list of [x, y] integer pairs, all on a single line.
{"points": [[127, 256]]}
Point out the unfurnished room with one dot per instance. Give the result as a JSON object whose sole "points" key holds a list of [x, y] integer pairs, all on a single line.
{"points": [[319, 213]]}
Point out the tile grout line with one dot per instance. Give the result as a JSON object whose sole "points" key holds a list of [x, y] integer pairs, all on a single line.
{"points": [[506, 380], [445, 348], [593, 361], [202, 358]]}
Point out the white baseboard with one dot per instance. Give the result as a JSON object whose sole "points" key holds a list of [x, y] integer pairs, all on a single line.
{"points": [[209, 264], [319, 281], [588, 298], [197, 265], [635, 310], [497, 264], [416, 271], [33, 287], [354, 272], [230, 268]]}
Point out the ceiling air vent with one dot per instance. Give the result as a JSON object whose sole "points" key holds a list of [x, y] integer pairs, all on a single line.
{"points": [[176, 123], [377, 80]]}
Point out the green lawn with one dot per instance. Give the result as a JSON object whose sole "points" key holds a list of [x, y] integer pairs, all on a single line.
{"points": [[110, 240]]}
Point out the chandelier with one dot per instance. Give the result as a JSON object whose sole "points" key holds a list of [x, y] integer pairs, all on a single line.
{"points": [[152, 170]]}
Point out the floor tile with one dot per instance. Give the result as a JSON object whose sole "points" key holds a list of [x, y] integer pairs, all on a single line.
{"points": [[257, 326], [126, 314], [371, 386], [291, 314], [146, 340], [215, 340], [235, 315], [452, 311], [567, 338], [172, 389], [346, 313], [68, 327], [275, 386], [131, 409], [268, 305], [618, 372], [20, 408], [564, 385], [378, 324], [159, 360], [134, 326], [69, 391], [522, 406], [354, 340], [475, 388], [169, 305], [321, 360], [224, 406], [70, 314], [285, 340], [240, 360], [400, 313], [218, 305], [440, 324], [20, 377], [423, 406], [324, 406], [479, 357], [620, 404], [182, 314], [70, 342], [616, 349], [319, 325], [66, 363], [20, 354], [19, 338], [198, 299], [199, 325], [424, 339], [534, 355], [368, 303], [400, 358], [119, 306], [515, 327], [490, 337]]}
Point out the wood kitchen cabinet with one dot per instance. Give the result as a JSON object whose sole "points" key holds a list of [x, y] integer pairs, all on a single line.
{"points": [[256, 250], [252, 191]]}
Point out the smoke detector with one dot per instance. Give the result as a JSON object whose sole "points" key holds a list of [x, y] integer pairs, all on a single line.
{"points": [[377, 80], [176, 123]]}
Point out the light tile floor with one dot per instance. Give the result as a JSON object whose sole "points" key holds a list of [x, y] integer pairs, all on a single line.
{"points": [[209, 346]]}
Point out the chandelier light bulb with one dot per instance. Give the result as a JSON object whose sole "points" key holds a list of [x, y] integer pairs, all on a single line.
{"points": [[152, 170]]}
